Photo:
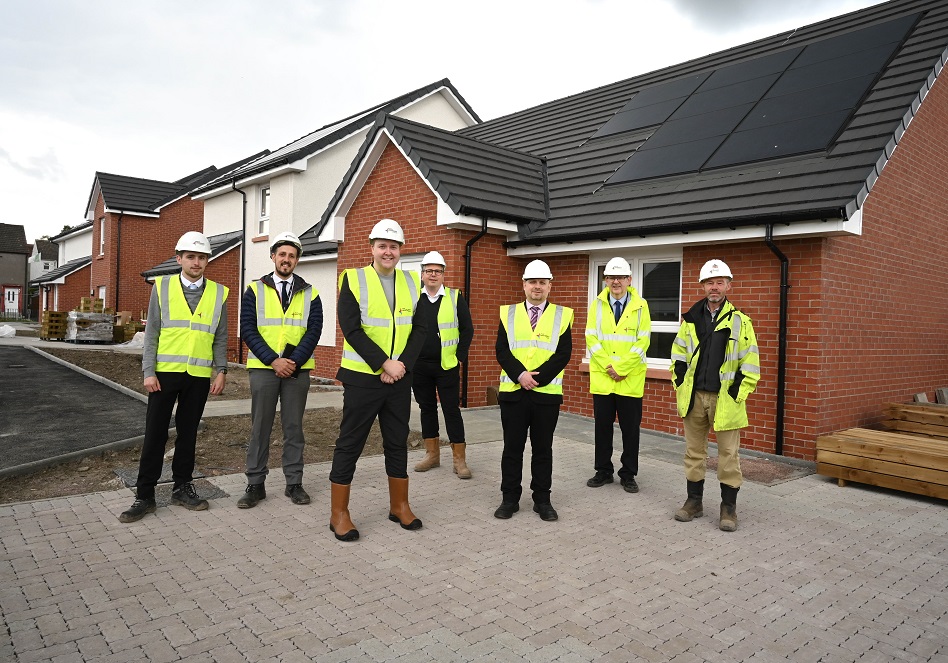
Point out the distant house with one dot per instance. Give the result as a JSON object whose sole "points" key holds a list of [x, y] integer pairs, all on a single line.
{"points": [[14, 272], [43, 258], [289, 188], [62, 288], [813, 162]]}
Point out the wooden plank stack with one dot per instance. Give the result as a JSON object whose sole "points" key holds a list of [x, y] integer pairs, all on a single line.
{"points": [[53, 325], [911, 456]]}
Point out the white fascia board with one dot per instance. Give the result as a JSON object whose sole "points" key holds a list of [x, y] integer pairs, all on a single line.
{"points": [[453, 221], [147, 215], [297, 166], [96, 192], [322, 257], [171, 202], [451, 99], [73, 234], [800, 230]]}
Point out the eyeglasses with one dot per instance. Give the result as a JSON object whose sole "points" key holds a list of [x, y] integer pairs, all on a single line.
{"points": [[434, 272], [616, 278]]}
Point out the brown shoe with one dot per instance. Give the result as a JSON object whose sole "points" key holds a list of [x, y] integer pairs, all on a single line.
{"points": [[339, 522], [399, 511], [691, 509], [432, 456], [460, 462]]}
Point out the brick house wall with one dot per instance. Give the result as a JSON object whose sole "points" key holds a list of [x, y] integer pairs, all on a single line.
{"points": [[71, 292], [146, 241]]}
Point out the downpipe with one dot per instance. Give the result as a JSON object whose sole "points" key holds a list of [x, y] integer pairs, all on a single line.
{"points": [[781, 339], [468, 255]]}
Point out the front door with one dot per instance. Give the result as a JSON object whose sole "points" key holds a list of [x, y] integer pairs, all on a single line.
{"points": [[11, 300]]}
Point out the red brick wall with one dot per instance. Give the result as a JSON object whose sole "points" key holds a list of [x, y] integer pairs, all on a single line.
{"points": [[72, 291]]}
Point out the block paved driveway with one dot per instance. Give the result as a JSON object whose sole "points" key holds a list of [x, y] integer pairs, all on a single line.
{"points": [[815, 573]]}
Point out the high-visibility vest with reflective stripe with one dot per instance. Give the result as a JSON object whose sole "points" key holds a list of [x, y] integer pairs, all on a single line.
{"points": [[448, 329], [740, 355], [622, 344], [186, 341], [532, 347], [387, 329], [279, 328]]}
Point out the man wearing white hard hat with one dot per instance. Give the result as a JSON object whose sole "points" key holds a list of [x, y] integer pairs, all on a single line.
{"points": [[534, 345], [383, 331], [618, 332], [185, 340], [716, 367], [437, 375], [281, 319]]}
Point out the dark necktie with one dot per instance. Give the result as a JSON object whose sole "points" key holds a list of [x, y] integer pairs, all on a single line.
{"points": [[618, 307], [285, 299], [534, 316]]}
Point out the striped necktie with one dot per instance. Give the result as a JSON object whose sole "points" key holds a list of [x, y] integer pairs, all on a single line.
{"points": [[534, 316]]}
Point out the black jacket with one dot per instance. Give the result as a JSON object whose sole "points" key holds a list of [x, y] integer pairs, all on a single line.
{"points": [[251, 335]]}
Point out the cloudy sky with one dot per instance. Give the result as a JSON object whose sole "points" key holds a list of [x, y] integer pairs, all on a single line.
{"points": [[162, 88]]}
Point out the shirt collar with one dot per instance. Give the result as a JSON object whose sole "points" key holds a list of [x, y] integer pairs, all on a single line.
{"points": [[433, 298], [613, 300], [529, 306], [187, 284], [278, 280]]}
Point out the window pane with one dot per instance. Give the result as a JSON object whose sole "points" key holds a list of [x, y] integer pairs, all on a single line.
{"points": [[265, 203], [661, 287], [660, 345]]}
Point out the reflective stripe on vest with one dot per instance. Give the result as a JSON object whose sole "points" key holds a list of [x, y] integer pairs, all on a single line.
{"points": [[448, 328], [281, 328], [368, 290], [186, 341], [526, 344]]}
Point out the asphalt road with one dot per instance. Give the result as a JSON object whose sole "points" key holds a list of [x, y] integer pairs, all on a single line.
{"points": [[48, 410]]}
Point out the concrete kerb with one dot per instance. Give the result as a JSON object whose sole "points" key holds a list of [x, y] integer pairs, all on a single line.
{"points": [[88, 374]]}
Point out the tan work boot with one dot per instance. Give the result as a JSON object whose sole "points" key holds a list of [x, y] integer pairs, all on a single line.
{"points": [[339, 522], [399, 511], [728, 521], [693, 507], [460, 462], [432, 456]]}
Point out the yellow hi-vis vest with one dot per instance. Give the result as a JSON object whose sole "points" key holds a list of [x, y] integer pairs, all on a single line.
{"points": [[532, 347], [740, 356], [186, 341], [387, 329], [622, 344], [278, 329], [448, 328]]}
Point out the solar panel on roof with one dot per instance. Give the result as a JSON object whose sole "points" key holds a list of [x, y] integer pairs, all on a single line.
{"points": [[793, 102]]}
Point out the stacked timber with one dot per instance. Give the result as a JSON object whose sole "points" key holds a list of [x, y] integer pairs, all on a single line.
{"points": [[53, 325], [930, 420], [889, 459]]}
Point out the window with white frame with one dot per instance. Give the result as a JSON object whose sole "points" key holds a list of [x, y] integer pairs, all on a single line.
{"points": [[263, 223], [657, 278], [102, 236]]}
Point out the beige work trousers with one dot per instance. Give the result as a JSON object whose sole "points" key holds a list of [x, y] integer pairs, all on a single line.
{"points": [[697, 425]]}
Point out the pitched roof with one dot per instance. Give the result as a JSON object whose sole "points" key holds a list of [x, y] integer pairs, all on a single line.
{"points": [[47, 250], [63, 270], [13, 239], [331, 133], [81, 226], [589, 199], [219, 244]]}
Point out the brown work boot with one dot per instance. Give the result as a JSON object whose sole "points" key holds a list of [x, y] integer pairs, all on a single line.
{"points": [[692, 508], [399, 511], [460, 462], [432, 456], [728, 521], [339, 522]]}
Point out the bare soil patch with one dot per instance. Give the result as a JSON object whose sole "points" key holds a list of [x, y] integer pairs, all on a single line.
{"points": [[221, 444]]}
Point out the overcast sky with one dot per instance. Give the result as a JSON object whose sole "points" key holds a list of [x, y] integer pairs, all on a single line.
{"points": [[162, 88]]}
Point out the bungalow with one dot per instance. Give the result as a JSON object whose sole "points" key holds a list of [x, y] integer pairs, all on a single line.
{"points": [[813, 162]]}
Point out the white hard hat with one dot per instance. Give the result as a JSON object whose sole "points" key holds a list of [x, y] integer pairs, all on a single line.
{"points": [[193, 241], [714, 269], [387, 229], [286, 238], [433, 258], [537, 269], [617, 267]]}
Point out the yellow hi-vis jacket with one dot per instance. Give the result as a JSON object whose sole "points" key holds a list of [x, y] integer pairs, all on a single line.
{"points": [[186, 341], [532, 347], [739, 372], [622, 344], [448, 329], [278, 328], [386, 329]]}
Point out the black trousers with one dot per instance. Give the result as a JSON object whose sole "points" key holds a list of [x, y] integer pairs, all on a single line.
{"points": [[606, 407], [360, 406], [538, 420], [431, 383], [190, 393]]}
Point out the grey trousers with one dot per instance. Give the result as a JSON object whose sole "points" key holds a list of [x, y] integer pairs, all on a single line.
{"points": [[265, 390]]}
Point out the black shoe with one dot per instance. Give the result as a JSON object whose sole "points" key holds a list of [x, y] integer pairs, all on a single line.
{"points": [[506, 510], [599, 480], [185, 495], [296, 493], [546, 511], [137, 511], [254, 493], [629, 485]]}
